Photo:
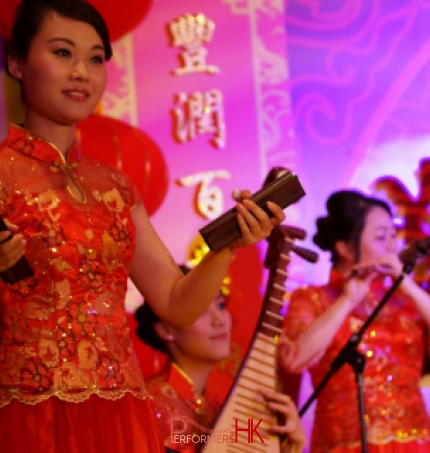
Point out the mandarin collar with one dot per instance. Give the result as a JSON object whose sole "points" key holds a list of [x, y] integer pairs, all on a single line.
{"points": [[23, 141], [336, 278], [184, 386]]}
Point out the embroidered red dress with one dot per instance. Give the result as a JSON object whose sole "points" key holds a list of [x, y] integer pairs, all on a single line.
{"points": [[395, 413], [69, 379], [181, 409]]}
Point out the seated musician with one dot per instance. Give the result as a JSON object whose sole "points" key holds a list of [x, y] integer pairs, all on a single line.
{"points": [[181, 403], [180, 387]]}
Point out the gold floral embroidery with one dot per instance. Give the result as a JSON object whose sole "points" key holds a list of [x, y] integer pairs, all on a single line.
{"points": [[49, 353], [103, 304], [73, 377], [64, 331], [87, 354], [48, 201], [113, 200], [110, 251], [62, 289]]}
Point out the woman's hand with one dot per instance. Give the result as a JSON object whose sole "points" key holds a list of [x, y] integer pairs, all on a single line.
{"points": [[254, 223], [390, 264], [358, 284], [12, 249], [290, 425], [362, 274]]}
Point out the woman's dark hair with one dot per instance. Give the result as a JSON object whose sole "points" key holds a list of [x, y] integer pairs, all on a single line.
{"points": [[146, 319], [30, 14], [347, 211]]}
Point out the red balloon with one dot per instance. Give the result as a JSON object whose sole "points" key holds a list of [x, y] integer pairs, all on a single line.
{"points": [[114, 142], [121, 16]]}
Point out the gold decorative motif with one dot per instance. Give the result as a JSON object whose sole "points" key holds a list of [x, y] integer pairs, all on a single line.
{"points": [[196, 251], [48, 201], [120, 98], [110, 251], [103, 304], [61, 265], [113, 200], [49, 353], [34, 310], [231, 364], [73, 183], [87, 354], [73, 378]]}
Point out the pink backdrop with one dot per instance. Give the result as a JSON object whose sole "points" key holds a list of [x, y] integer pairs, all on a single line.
{"points": [[336, 91]]}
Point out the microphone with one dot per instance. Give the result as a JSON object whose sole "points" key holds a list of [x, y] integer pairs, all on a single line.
{"points": [[414, 251]]}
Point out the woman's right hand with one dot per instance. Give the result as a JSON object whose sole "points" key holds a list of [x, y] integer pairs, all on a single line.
{"points": [[357, 285], [12, 249], [290, 428]]}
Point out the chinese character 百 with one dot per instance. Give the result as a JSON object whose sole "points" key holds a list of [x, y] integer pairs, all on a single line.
{"points": [[209, 198]]}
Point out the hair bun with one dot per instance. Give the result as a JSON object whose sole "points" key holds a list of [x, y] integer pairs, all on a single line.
{"points": [[322, 237]]}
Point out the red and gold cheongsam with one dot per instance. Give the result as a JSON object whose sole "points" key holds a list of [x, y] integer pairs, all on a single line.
{"points": [[393, 345], [180, 408], [69, 379]]}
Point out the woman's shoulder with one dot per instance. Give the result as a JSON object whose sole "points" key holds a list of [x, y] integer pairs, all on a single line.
{"points": [[103, 173], [3, 143], [311, 298], [307, 290], [156, 383], [89, 162], [6, 150]]}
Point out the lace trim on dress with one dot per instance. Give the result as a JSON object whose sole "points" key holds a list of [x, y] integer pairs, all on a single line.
{"points": [[70, 398]]}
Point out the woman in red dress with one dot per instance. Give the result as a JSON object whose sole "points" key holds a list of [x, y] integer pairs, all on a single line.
{"points": [[185, 408], [359, 233], [179, 390], [69, 379]]}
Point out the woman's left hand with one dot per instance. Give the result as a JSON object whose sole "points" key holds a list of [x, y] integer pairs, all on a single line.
{"points": [[290, 424], [390, 264], [254, 222]]}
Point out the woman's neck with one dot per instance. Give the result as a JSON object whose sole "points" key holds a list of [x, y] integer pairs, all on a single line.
{"points": [[197, 372], [62, 136], [343, 268]]}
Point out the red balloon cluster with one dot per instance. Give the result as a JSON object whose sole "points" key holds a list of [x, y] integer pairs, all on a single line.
{"points": [[121, 16], [114, 142]]}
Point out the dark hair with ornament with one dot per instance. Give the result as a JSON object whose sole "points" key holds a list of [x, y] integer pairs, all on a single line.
{"points": [[146, 319], [347, 211]]}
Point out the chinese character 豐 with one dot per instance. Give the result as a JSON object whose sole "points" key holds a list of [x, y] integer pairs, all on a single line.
{"points": [[190, 33]]}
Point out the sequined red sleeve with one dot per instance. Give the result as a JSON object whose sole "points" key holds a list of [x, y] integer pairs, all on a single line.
{"points": [[304, 307], [135, 195]]}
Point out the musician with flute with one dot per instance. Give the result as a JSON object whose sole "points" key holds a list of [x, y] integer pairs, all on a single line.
{"points": [[359, 233]]}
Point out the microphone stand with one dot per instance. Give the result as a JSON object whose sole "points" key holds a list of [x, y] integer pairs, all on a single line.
{"points": [[349, 354]]}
